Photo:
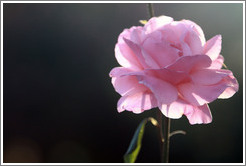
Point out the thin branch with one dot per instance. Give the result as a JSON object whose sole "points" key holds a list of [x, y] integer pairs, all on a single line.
{"points": [[177, 132]]}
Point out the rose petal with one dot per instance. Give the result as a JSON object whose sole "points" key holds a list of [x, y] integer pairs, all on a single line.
{"points": [[126, 57], [229, 92], [127, 85], [124, 83], [208, 76], [187, 63], [184, 37], [162, 53], [194, 42], [213, 47], [178, 28], [175, 110], [186, 50], [137, 103], [171, 76], [137, 35], [124, 54], [164, 92], [232, 87], [119, 71], [217, 63], [149, 60], [144, 58], [202, 94], [156, 22], [195, 114], [197, 29], [198, 115]]}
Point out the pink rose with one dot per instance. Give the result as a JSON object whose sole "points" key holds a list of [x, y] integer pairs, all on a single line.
{"points": [[169, 64]]}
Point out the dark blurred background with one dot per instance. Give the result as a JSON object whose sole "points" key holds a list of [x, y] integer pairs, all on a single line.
{"points": [[59, 103]]}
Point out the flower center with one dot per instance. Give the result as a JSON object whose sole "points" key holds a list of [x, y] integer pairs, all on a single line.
{"points": [[178, 47]]}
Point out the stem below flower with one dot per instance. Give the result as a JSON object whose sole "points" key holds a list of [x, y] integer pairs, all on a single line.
{"points": [[166, 135]]}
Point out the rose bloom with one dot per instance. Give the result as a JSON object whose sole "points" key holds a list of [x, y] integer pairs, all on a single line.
{"points": [[169, 64]]}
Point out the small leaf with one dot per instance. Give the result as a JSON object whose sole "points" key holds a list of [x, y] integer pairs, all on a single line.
{"points": [[224, 65], [143, 21], [135, 145]]}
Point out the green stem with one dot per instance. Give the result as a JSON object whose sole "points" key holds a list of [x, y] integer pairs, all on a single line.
{"points": [[166, 135], [161, 139], [150, 10]]}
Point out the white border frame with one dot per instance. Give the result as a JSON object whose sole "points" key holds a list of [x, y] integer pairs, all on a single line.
{"points": [[2, 2]]}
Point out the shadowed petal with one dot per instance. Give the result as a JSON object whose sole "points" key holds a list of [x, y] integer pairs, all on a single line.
{"points": [[137, 103], [164, 92], [145, 59], [171, 76], [124, 55], [187, 63]]}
